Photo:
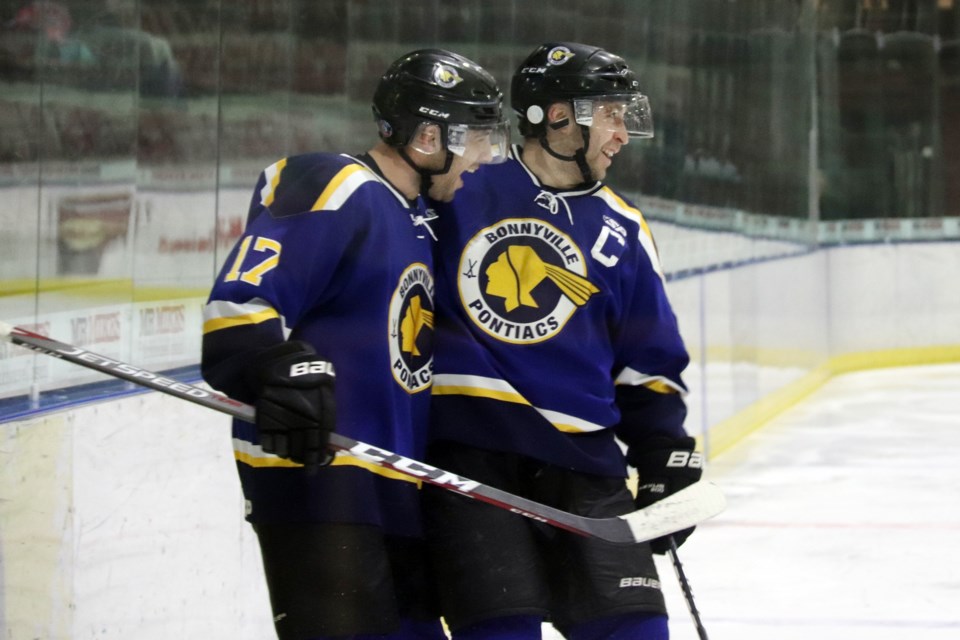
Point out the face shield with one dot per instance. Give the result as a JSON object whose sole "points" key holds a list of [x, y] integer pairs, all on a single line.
{"points": [[616, 113], [487, 144]]}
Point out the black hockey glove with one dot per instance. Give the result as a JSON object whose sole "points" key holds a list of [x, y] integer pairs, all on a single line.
{"points": [[296, 410], [665, 466]]}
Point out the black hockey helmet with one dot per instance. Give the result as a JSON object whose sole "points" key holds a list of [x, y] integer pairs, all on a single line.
{"points": [[583, 75], [444, 88]]}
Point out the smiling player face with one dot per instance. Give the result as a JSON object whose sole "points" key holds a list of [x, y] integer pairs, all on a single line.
{"points": [[608, 135]]}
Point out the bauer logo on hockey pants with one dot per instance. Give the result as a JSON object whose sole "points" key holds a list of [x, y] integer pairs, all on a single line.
{"points": [[640, 581]]}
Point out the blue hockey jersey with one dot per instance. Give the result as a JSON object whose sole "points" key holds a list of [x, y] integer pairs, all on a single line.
{"points": [[332, 255], [549, 304]]}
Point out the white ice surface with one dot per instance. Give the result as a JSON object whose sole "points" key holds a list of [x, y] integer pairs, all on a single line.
{"points": [[843, 519]]}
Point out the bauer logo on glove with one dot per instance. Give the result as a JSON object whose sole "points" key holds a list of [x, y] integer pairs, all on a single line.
{"points": [[296, 407], [306, 368], [665, 466], [692, 459]]}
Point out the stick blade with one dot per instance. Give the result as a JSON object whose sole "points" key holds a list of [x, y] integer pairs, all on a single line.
{"points": [[684, 509]]}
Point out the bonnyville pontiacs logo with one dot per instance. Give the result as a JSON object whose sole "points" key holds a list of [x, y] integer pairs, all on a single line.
{"points": [[411, 329], [521, 280]]}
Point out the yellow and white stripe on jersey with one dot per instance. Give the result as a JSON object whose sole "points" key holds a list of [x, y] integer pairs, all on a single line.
{"points": [[220, 314], [272, 175], [482, 387], [253, 455], [633, 378], [342, 187], [334, 194], [619, 205]]}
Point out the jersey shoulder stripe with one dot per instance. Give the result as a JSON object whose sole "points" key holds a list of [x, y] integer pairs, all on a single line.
{"points": [[342, 187], [271, 177], [620, 206], [290, 186]]}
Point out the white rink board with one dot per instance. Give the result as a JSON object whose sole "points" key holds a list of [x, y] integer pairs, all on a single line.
{"points": [[124, 520]]}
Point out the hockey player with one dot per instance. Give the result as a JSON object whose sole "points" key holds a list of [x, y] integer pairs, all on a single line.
{"points": [[322, 317], [554, 337]]}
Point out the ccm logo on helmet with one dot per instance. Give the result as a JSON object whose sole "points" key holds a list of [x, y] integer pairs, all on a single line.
{"points": [[434, 112]]}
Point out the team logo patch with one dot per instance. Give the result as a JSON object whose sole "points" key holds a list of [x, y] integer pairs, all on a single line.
{"points": [[446, 77], [411, 329], [559, 55], [521, 280]]}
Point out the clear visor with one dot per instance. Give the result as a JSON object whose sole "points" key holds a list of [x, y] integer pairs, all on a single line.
{"points": [[616, 113], [487, 144]]}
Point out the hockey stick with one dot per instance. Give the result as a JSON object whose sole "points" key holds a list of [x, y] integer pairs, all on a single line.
{"points": [[679, 511], [687, 591]]}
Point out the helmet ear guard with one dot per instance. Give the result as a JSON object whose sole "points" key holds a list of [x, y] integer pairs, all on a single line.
{"points": [[534, 114]]}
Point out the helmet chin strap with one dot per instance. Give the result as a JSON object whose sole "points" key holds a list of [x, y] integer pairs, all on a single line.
{"points": [[579, 156], [426, 175]]}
